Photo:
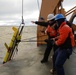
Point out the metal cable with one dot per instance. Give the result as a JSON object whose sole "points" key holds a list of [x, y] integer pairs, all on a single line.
{"points": [[32, 38], [38, 5]]}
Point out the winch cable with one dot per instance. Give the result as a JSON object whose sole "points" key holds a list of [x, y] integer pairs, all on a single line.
{"points": [[20, 29], [28, 39], [38, 5]]}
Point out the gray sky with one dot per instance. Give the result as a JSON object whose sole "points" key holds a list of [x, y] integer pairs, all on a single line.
{"points": [[10, 11]]}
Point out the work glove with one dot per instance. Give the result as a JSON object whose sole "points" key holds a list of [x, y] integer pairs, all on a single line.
{"points": [[46, 40], [49, 41]]}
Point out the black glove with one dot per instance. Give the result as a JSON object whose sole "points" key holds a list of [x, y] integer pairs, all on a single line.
{"points": [[46, 40], [49, 41]]}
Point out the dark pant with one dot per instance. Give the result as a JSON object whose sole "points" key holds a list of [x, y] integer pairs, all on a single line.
{"points": [[59, 58], [48, 50]]}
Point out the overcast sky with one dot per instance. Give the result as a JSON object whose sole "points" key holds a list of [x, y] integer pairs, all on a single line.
{"points": [[10, 11]]}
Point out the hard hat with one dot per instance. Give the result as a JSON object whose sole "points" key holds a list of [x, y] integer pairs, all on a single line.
{"points": [[59, 16], [50, 17]]}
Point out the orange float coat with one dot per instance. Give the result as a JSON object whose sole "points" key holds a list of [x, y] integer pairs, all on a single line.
{"points": [[51, 31], [65, 31]]}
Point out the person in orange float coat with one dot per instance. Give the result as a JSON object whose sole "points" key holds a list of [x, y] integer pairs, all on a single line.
{"points": [[65, 43], [51, 32]]}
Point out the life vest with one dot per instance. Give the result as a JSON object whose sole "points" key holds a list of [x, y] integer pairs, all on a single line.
{"points": [[51, 31], [66, 38]]}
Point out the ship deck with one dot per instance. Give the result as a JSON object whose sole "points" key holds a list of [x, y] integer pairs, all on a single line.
{"points": [[27, 60]]}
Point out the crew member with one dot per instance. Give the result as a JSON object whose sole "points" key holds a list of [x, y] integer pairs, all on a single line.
{"points": [[65, 44], [50, 30]]}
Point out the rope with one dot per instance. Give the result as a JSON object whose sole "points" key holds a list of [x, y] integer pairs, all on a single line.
{"points": [[32, 41], [33, 37], [74, 52]]}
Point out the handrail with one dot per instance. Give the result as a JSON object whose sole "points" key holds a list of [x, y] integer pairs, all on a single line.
{"points": [[70, 11]]}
